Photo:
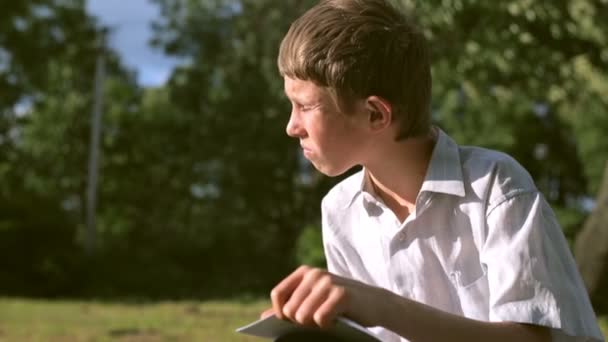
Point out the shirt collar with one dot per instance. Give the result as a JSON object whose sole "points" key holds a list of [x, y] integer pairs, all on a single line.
{"points": [[444, 174]]}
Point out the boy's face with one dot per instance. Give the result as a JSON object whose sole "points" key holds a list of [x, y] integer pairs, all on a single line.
{"points": [[332, 141]]}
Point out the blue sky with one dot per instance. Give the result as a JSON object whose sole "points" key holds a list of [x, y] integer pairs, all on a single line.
{"points": [[130, 21]]}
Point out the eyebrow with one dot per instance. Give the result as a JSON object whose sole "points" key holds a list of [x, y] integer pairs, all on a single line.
{"points": [[302, 100], [292, 99]]}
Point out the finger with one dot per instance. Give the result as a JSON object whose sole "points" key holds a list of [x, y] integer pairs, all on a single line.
{"points": [[300, 294], [266, 313], [331, 308], [318, 295], [283, 291]]}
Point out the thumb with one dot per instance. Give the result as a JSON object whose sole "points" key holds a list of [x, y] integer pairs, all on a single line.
{"points": [[267, 313]]}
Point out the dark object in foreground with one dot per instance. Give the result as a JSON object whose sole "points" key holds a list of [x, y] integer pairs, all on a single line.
{"points": [[309, 336], [275, 329]]}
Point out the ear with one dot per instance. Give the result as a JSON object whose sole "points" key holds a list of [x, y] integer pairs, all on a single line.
{"points": [[380, 113]]}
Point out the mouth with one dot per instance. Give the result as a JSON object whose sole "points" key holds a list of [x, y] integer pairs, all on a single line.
{"points": [[305, 150]]}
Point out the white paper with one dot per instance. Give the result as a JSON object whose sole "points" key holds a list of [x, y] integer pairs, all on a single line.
{"points": [[272, 327]]}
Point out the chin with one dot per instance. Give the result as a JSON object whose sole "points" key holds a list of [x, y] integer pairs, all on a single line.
{"points": [[330, 171]]}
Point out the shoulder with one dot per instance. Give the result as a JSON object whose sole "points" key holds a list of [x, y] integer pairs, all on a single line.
{"points": [[494, 175]]}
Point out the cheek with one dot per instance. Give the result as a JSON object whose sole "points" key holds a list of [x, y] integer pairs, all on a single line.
{"points": [[345, 133], [316, 128]]}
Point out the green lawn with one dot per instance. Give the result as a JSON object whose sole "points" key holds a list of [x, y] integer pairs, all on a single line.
{"points": [[29, 320], [604, 325], [65, 321]]}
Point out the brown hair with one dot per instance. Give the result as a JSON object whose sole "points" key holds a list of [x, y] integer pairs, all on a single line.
{"points": [[360, 48]]}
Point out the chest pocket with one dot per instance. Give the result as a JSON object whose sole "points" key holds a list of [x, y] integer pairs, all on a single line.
{"points": [[459, 246], [472, 289]]}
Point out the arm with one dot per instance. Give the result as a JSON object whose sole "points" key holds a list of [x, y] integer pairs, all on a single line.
{"points": [[312, 296], [425, 323]]}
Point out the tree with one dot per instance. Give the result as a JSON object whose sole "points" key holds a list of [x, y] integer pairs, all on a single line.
{"points": [[42, 100], [244, 168], [48, 50]]}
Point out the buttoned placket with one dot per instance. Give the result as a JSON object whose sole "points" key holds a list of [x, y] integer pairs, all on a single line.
{"points": [[394, 237], [400, 282]]}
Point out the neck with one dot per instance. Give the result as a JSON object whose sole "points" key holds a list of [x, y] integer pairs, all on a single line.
{"points": [[397, 171]]}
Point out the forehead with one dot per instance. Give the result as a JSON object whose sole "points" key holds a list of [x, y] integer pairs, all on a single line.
{"points": [[305, 90]]}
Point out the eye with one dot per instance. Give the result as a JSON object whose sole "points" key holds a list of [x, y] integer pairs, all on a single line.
{"points": [[307, 108], [300, 108]]}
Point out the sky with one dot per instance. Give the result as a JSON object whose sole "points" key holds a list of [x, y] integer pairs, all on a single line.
{"points": [[130, 22]]}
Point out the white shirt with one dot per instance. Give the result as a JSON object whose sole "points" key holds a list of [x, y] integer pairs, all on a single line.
{"points": [[482, 243]]}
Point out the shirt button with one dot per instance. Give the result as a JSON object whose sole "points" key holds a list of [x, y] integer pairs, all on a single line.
{"points": [[402, 236]]}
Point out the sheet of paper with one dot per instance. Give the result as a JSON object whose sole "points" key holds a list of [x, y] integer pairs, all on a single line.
{"points": [[272, 327]]}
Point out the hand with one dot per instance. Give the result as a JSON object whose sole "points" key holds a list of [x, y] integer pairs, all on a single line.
{"points": [[312, 296], [266, 313]]}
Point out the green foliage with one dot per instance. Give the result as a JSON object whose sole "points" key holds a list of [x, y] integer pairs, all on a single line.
{"points": [[309, 247], [570, 220], [34, 34], [48, 51], [37, 249], [239, 170]]}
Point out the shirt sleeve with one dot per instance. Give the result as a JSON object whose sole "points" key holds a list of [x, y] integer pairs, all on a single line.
{"points": [[531, 273]]}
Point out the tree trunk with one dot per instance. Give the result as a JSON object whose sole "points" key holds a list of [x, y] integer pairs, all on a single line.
{"points": [[591, 246]]}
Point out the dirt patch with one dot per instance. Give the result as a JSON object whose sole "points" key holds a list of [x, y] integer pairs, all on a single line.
{"points": [[135, 335], [193, 309]]}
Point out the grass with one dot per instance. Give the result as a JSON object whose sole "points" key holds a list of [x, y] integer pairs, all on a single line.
{"points": [[604, 325], [70, 321], [35, 320]]}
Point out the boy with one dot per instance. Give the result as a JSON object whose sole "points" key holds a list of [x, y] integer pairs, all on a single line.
{"points": [[431, 241]]}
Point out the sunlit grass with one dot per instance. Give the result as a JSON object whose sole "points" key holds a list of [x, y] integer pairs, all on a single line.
{"points": [[36, 320], [29, 320], [604, 325]]}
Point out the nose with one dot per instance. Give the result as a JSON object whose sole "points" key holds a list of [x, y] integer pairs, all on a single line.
{"points": [[294, 127]]}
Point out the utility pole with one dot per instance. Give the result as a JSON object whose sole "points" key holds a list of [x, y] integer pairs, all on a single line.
{"points": [[91, 229]]}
